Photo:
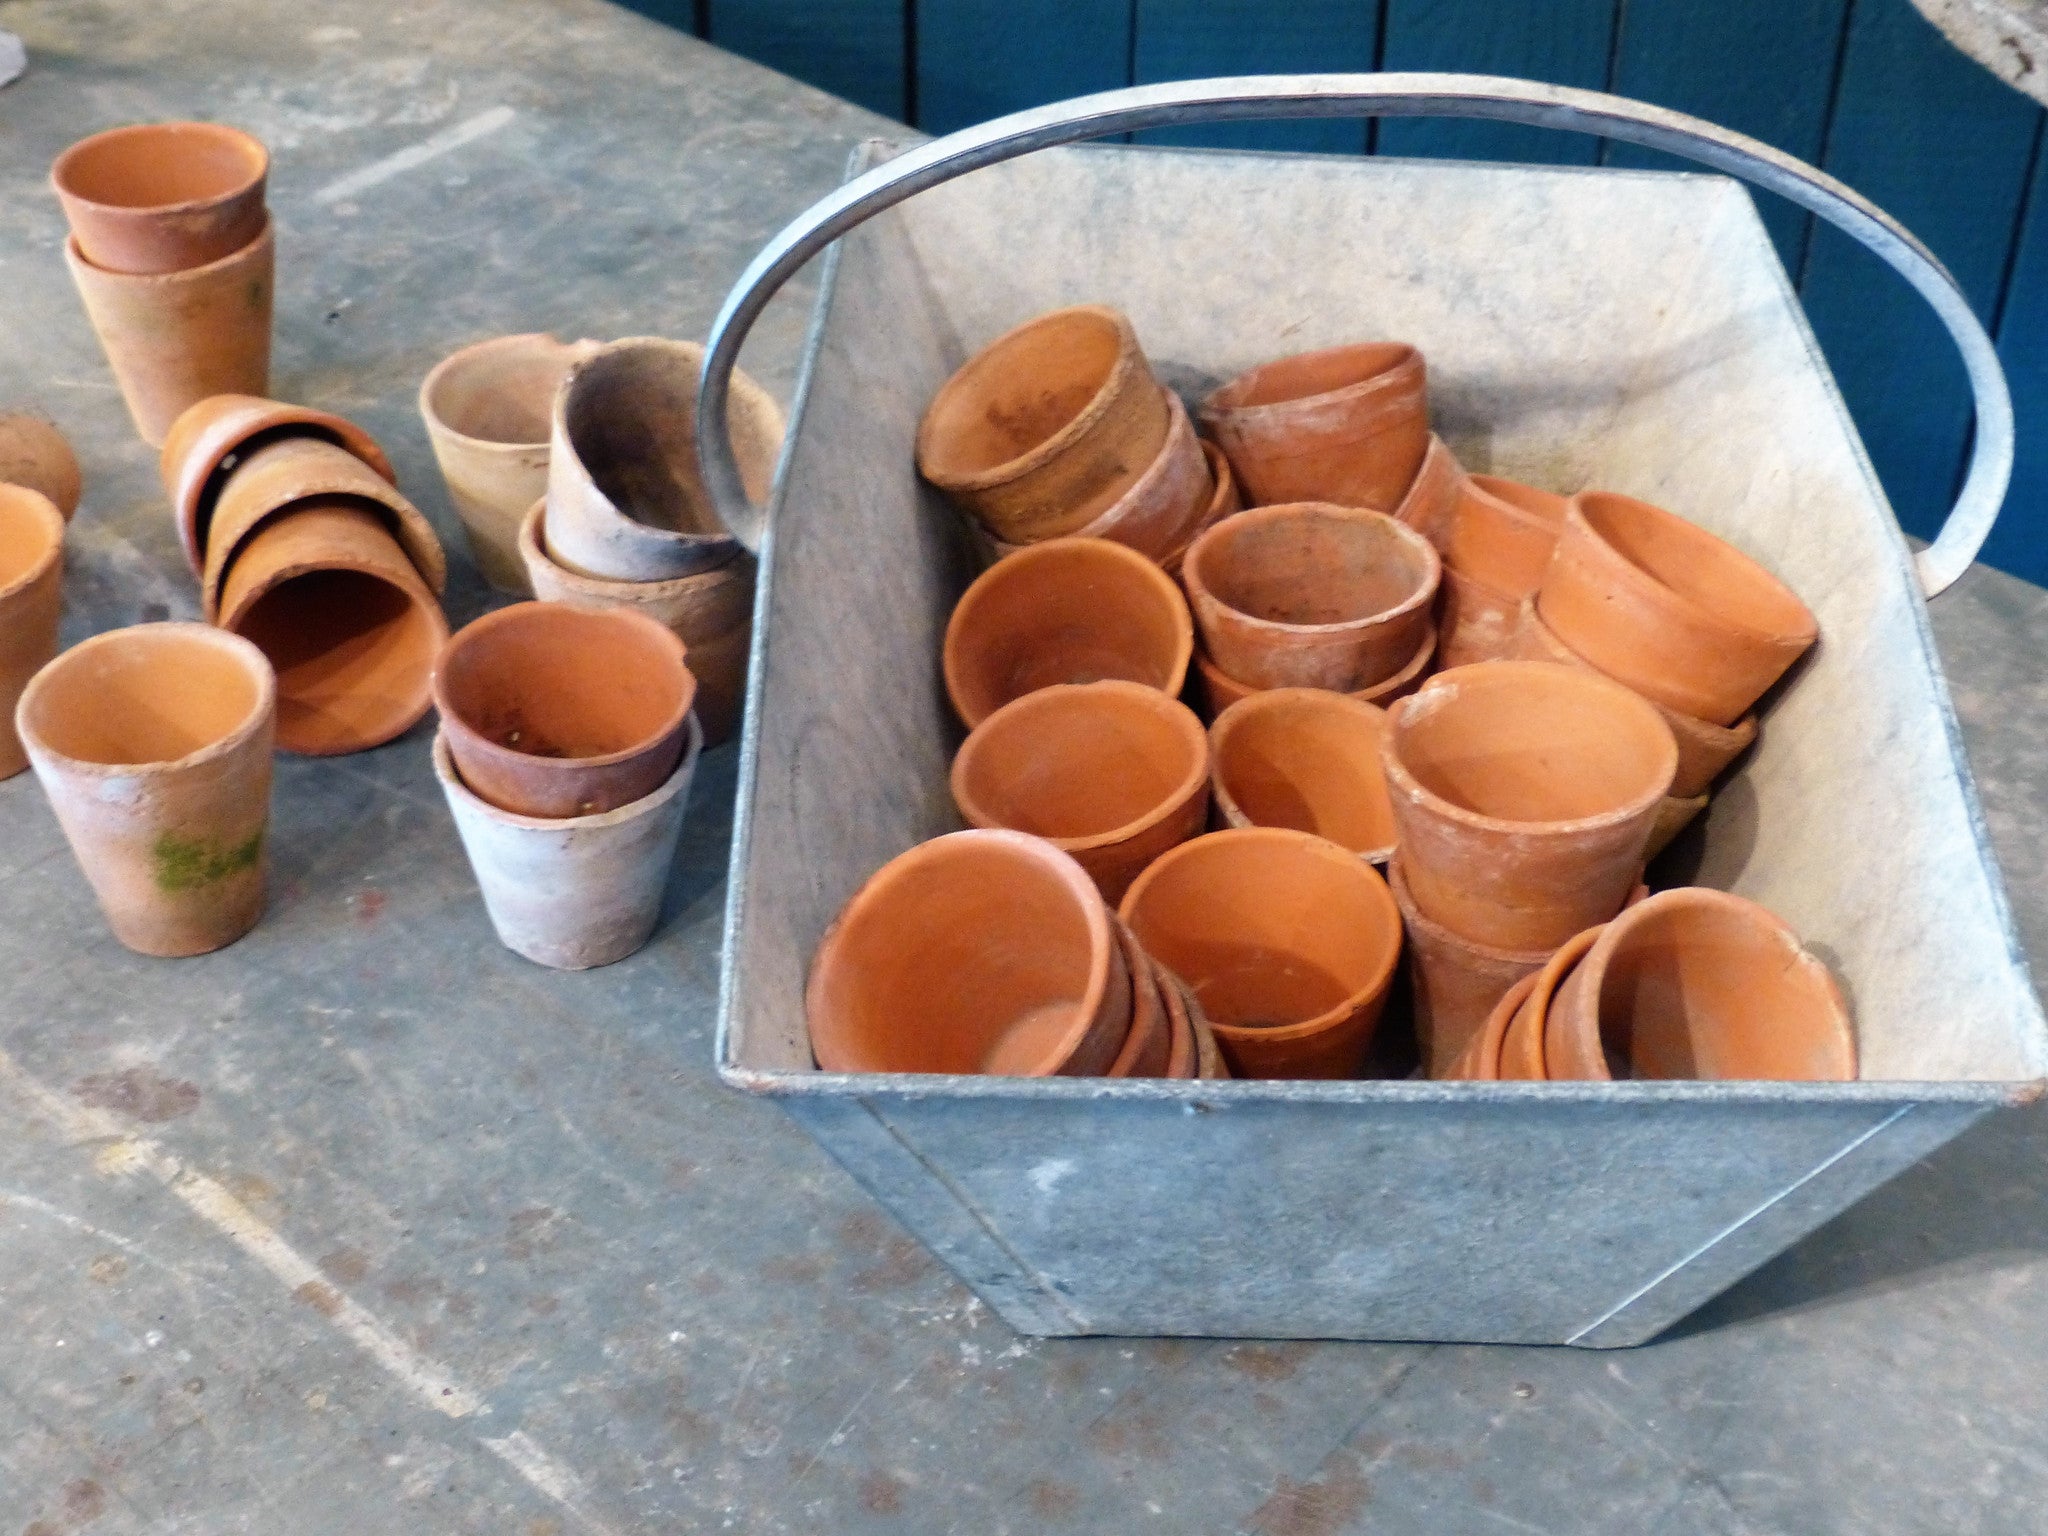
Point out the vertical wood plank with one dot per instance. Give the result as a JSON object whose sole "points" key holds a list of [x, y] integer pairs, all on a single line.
{"points": [[1195, 39], [852, 48], [978, 59], [2019, 541]]}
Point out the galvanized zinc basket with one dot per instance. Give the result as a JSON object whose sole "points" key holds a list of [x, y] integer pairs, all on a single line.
{"points": [[1628, 329]]}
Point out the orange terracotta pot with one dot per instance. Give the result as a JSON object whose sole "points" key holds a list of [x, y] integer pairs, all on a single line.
{"points": [[1219, 692], [1165, 506], [35, 454], [1433, 495], [1662, 605], [162, 197], [1480, 1060], [1501, 534], [974, 952], [1311, 595], [1455, 983], [1114, 773], [1308, 759], [1287, 942], [1223, 502], [1474, 622], [1525, 794], [1522, 1057], [1696, 983], [1148, 1048], [1074, 610], [1348, 425], [31, 603], [1048, 426]]}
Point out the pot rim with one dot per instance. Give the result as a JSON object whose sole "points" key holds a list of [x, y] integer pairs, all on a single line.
{"points": [[465, 355], [1287, 511], [1483, 487], [1233, 716], [1402, 355], [1424, 654], [445, 771], [241, 139], [184, 276], [1143, 973], [1546, 982], [616, 591], [54, 523], [1492, 1033]]}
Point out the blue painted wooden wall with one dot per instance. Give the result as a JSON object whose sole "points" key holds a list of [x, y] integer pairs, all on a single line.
{"points": [[1865, 88]]}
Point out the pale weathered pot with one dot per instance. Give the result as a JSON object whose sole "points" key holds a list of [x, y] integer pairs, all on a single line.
{"points": [[1662, 605], [1287, 942], [162, 197], [555, 711], [1501, 534], [1311, 595], [31, 603], [1308, 759], [1348, 425], [1522, 1054], [626, 495], [1525, 794], [1219, 692], [1114, 773], [176, 337], [486, 408], [1473, 622], [979, 951], [1433, 493], [35, 454], [325, 592], [1148, 1048], [1480, 1060], [1455, 982], [153, 745], [1699, 983], [1047, 427], [1069, 610], [577, 892]]}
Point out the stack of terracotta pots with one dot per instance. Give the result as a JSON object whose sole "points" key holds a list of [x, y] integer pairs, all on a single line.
{"points": [[172, 251]]}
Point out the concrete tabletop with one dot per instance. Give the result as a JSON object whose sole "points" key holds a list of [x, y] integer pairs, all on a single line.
{"points": [[364, 1225]]}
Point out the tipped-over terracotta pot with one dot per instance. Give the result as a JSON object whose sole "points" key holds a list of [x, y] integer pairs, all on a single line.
{"points": [[1348, 425], [328, 596], [1204, 1057], [1308, 759], [174, 338], [153, 744], [1699, 983], [1287, 941], [1311, 595], [1073, 610], [1522, 1054], [1480, 1060], [1525, 794], [1218, 692], [1048, 426], [979, 951], [1662, 605], [1455, 983], [31, 603], [553, 711], [1433, 494], [1114, 773], [1501, 533], [162, 197], [1148, 1048], [35, 454], [486, 409], [1474, 622]]}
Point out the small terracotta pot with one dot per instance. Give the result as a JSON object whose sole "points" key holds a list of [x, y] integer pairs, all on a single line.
{"points": [[979, 951], [1308, 759], [1218, 692], [1698, 983], [35, 454], [1072, 610], [176, 337], [153, 745], [1474, 623], [1114, 773], [328, 596], [1674, 815], [1454, 981], [162, 197], [1524, 794], [1480, 1060], [486, 408], [1165, 506], [1703, 749], [626, 495], [1288, 943], [1433, 494], [1348, 425], [1311, 595], [212, 437], [551, 711], [1047, 427], [31, 603], [1662, 605], [1501, 534], [577, 892], [1522, 1054], [1148, 1048]]}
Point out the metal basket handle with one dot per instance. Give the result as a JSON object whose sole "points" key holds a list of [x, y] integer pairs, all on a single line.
{"points": [[1387, 95]]}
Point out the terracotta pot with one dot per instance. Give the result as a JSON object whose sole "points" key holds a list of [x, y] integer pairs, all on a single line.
{"points": [[1522, 1054], [1480, 1060], [212, 437], [1223, 502], [1662, 605], [1433, 494], [1114, 773], [1166, 506], [551, 711], [1072, 610], [1148, 1048], [1674, 815], [1501, 534], [1703, 749], [162, 197], [35, 454], [577, 892], [1348, 425], [1184, 1058], [31, 603], [1288, 943], [1308, 759], [626, 496], [177, 337], [153, 745], [1455, 982], [1699, 983], [1473, 622], [291, 471], [328, 596], [974, 952], [1218, 692], [1047, 427], [1311, 595], [1524, 794]]}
